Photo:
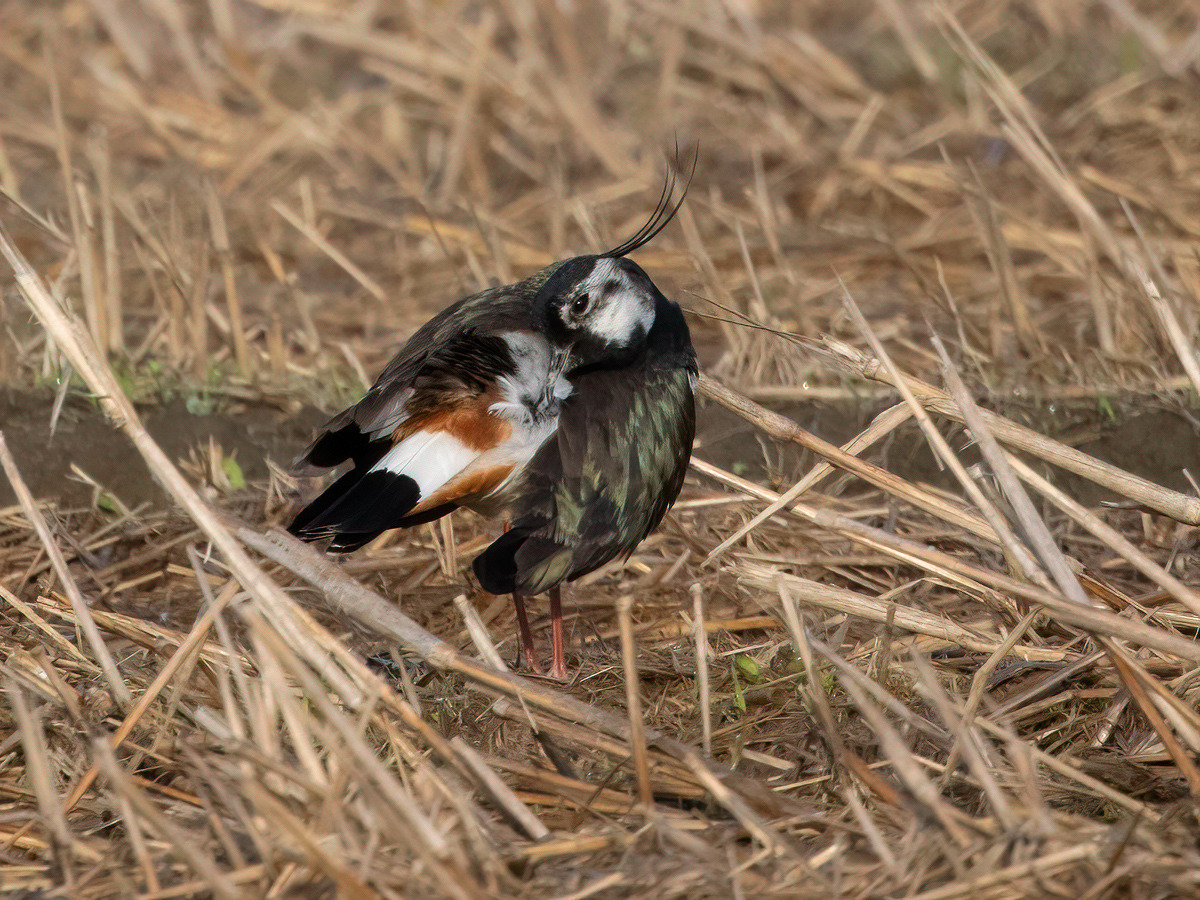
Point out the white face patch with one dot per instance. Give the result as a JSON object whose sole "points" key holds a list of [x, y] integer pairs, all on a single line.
{"points": [[619, 309]]}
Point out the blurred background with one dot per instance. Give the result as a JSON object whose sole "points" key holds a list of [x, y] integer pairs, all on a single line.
{"points": [[261, 193], [255, 202]]}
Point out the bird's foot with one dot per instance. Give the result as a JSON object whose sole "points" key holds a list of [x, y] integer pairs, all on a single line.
{"points": [[527, 660], [558, 665]]}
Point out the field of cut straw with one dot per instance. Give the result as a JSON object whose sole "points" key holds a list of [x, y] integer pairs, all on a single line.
{"points": [[924, 620]]}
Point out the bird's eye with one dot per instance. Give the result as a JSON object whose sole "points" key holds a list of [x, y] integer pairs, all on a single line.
{"points": [[580, 304]]}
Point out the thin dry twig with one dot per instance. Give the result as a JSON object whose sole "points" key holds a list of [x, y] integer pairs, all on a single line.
{"points": [[116, 684], [633, 701]]}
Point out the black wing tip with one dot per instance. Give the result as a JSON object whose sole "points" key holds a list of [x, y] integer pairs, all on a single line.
{"points": [[357, 508], [349, 541], [306, 523], [664, 210], [334, 445]]}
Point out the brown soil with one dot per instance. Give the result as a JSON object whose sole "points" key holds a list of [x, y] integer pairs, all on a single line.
{"points": [[1158, 444], [251, 433]]}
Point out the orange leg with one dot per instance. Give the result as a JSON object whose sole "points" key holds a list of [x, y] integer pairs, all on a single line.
{"points": [[558, 665], [526, 635]]}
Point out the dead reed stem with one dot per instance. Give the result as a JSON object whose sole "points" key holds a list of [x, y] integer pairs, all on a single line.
{"points": [[82, 613], [633, 701], [701, 638], [1170, 503], [948, 566]]}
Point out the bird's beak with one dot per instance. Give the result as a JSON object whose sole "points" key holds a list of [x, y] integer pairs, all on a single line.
{"points": [[560, 361]]}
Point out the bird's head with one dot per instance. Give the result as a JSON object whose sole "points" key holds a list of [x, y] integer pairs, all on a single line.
{"points": [[599, 306], [603, 306]]}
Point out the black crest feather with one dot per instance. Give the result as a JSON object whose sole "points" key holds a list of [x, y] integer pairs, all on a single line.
{"points": [[664, 210]]}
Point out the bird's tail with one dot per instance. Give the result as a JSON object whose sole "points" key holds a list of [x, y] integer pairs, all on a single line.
{"points": [[523, 562]]}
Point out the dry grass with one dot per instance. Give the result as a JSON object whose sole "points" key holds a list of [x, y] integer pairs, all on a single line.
{"points": [[863, 686]]}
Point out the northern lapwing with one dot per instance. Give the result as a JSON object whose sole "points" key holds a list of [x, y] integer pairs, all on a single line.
{"points": [[563, 403]]}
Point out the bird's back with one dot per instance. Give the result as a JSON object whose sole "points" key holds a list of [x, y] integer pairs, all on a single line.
{"points": [[614, 466], [460, 408]]}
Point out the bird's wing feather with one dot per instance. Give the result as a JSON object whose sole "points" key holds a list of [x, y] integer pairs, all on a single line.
{"points": [[420, 375], [435, 432], [426, 473], [592, 493]]}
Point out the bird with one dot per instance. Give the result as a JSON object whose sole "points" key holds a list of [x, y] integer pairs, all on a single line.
{"points": [[563, 403]]}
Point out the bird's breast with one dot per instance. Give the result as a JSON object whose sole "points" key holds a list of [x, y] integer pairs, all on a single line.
{"points": [[531, 397], [533, 392]]}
